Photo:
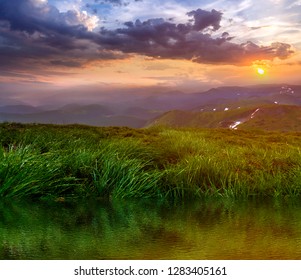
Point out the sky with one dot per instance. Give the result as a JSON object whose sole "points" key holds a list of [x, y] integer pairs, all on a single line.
{"points": [[189, 45]]}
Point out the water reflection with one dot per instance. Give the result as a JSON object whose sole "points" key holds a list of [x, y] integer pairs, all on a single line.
{"points": [[216, 229]]}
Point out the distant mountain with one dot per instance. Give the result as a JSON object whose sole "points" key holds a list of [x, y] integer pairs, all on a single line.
{"points": [[266, 117], [218, 98], [217, 107], [19, 109], [233, 107], [9, 101], [97, 115], [234, 97], [141, 113], [90, 110]]}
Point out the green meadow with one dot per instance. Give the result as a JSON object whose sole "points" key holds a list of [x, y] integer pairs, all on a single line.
{"points": [[59, 162]]}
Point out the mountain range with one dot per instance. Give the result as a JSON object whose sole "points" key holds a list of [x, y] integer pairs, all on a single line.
{"points": [[270, 107]]}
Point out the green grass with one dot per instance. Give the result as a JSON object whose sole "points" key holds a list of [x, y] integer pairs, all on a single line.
{"points": [[269, 118], [50, 162]]}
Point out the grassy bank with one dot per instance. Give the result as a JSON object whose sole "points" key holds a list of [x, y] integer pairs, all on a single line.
{"points": [[47, 161]]}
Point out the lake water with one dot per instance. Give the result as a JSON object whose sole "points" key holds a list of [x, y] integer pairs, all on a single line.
{"points": [[214, 229]]}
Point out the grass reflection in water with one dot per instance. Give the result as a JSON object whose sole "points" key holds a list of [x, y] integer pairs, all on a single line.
{"points": [[209, 229]]}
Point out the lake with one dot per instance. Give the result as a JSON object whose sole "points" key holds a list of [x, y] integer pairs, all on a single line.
{"points": [[143, 229]]}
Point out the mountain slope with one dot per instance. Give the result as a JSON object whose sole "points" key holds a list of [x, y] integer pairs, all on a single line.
{"points": [[282, 117], [267, 117], [235, 97], [217, 107]]}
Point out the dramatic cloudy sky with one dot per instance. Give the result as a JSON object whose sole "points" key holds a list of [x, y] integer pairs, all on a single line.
{"points": [[188, 44]]}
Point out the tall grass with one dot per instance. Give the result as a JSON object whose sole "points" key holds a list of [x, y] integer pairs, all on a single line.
{"points": [[126, 170], [48, 161], [23, 172]]}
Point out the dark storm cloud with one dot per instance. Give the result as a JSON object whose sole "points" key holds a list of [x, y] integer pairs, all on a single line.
{"points": [[33, 33], [41, 26], [160, 38], [26, 16], [203, 19], [192, 41]]}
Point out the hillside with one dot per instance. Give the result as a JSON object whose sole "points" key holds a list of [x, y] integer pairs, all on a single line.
{"points": [[217, 107], [235, 97], [266, 117]]}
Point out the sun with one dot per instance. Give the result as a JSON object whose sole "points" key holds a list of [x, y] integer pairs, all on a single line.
{"points": [[260, 71]]}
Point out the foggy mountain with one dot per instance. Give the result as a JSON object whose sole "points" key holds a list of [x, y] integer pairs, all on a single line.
{"points": [[175, 108]]}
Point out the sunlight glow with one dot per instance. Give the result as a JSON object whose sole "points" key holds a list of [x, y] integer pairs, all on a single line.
{"points": [[260, 71]]}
